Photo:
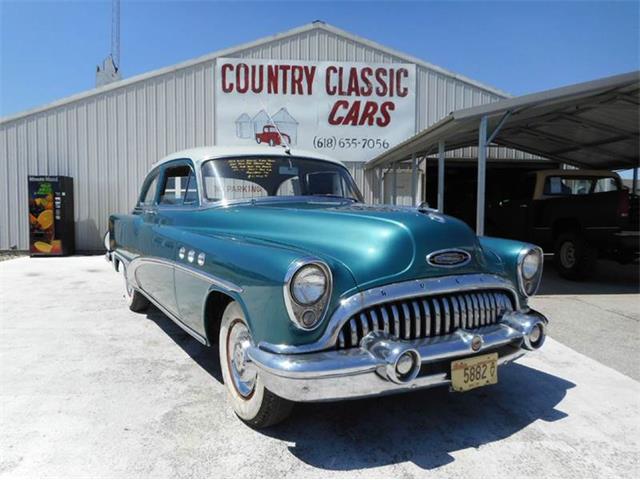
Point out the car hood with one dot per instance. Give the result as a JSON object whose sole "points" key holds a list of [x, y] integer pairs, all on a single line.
{"points": [[377, 244]]}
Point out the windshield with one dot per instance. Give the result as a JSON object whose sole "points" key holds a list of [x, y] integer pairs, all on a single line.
{"points": [[249, 178]]}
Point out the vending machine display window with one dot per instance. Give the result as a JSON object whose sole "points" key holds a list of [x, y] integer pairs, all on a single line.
{"points": [[51, 218]]}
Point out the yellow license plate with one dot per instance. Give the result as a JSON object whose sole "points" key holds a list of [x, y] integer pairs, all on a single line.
{"points": [[469, 373]]}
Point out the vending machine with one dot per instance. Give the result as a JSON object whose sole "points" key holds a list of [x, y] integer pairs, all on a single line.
{"points": [[51, 218]]}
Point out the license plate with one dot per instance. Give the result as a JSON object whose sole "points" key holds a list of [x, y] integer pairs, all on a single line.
{"points": [[469, 373]]}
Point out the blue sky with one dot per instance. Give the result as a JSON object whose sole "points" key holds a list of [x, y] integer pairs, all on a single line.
{"points": [[50, 49]]}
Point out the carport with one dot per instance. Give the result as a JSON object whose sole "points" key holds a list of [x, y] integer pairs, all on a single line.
{"points": [[588, 125]]}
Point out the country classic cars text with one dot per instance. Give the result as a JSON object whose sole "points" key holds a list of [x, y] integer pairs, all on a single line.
{"points": [[360, 82]]}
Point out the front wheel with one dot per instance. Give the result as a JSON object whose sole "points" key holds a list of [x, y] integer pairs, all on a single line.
{"points": [[136, 301], [251, 401], [573, 257]]}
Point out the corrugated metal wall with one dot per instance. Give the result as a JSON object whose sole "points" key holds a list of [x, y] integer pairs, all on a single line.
{"points": [[107, 141]]}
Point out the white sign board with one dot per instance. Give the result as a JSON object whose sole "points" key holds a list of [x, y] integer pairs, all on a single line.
{"points": [[351, 111]]}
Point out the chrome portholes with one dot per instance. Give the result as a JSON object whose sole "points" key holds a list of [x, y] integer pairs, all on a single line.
{"points": [[192, 256]]}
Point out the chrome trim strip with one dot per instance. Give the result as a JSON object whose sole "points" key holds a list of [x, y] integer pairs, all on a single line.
{"points": [[396, 320], [350, 306], [407, 320], [418, 314], [175, 319], [427, 319], [207, 277]]}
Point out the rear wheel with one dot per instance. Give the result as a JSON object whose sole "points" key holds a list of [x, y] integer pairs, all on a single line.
{"points": [[250, 399], [136, 301], [574, 258], [271, 142]]}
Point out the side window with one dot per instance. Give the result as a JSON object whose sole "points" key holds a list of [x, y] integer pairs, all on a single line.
{"points": [[179, 186], [148, 194], [191, 193], [605, 184]]}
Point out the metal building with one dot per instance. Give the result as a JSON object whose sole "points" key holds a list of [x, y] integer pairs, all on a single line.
{"points": [[107, 138]]}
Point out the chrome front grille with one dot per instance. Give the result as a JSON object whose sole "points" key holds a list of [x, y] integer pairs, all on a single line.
{"points": [[427, 316]]}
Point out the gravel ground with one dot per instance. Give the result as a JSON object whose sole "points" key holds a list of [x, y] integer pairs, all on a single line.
{"points": [[88, 388], [11, 254]]}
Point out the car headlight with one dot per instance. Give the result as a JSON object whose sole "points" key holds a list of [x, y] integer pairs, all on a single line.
{"points": [[530, 263], [306, 292], [308, 284]]}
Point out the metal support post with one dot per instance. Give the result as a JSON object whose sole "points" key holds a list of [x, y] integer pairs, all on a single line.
{"points": [[413, 179], [441, 176], [394, 200], [482, 175]]}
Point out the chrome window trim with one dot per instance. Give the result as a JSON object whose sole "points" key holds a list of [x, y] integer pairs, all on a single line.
{"points": [[348, 307]]}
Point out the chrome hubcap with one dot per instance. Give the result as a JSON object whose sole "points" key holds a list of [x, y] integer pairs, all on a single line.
{"points": [[568, 254], [243, 374]]}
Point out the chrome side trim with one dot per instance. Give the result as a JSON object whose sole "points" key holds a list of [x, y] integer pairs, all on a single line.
{"points": [[348, 307], [176, 320], [207, 277]]}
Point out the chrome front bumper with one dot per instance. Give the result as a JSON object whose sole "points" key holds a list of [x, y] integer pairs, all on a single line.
{"points": [[369, 370]]}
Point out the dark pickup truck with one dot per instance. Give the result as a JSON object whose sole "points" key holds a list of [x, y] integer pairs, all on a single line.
{"points": [[580, 215]]}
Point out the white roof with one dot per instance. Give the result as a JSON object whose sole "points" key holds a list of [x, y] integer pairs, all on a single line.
{"points": [[200, 154]]}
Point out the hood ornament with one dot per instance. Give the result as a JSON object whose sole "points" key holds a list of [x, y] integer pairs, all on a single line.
{"points": [[449, 258]]}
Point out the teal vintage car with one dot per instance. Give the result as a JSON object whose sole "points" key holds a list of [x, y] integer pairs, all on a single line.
{"points": [[312, 295]]}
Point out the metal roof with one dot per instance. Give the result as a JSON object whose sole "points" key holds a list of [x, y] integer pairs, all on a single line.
{"points": [[232, 51], [592, 125]]}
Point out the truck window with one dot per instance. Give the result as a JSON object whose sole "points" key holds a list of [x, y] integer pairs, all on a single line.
{"points": [[557, 185]]}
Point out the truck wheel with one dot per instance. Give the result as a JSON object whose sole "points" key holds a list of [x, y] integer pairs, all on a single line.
{"points": [[271, 142], [258, 140], [252, 402], [136, 301], [573, 258]]}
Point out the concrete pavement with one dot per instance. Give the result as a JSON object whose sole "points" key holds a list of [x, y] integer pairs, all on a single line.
{"points": [[89, 388]]}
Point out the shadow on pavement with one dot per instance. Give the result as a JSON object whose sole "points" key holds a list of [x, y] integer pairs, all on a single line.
{"points": [[204, 356], [609, 278], [423, 427]]}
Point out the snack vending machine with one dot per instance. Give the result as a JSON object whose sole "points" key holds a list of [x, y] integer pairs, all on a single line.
{"points": [[51, 219]]}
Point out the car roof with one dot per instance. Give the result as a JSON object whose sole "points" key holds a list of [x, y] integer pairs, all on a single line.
{"points": [[201, 154]]}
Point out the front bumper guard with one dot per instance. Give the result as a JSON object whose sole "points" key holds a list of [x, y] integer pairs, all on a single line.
{"points": [[373, 368]]}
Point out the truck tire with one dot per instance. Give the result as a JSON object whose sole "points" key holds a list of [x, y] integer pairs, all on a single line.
{"points": [[573, 257], [252, 402], [136, 301]]}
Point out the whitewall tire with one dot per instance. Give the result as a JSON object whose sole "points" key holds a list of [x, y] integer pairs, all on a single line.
{"points": [[136, 301], [251, 401]]}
